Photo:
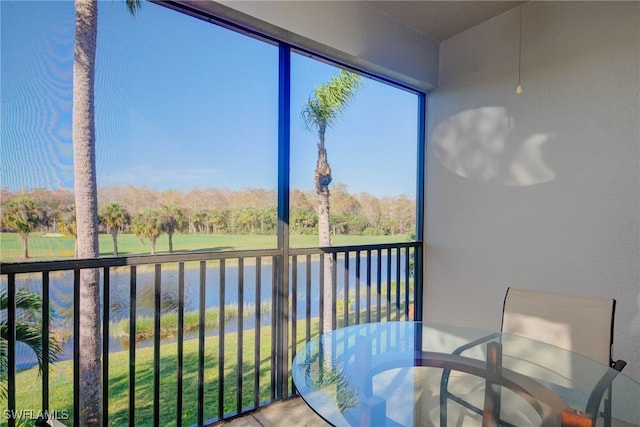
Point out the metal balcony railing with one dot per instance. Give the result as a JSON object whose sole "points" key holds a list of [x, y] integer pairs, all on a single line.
{"points": [[242, 315]]}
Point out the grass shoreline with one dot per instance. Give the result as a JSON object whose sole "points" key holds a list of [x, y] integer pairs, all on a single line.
{"points": [[169, 322]]}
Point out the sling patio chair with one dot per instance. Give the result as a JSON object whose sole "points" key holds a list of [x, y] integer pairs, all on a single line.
{"points": [[583, 325]]}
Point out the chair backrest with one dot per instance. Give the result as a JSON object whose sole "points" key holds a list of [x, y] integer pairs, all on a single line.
{"points": [[580, 324]]}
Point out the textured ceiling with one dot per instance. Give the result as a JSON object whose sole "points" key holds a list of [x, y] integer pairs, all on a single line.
{"points": [[442, 19]]}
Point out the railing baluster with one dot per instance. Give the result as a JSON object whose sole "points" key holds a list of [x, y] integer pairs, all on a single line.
{"points": [[180, 342], [389, 284], [106, 308], [418, 290], [308, 298], [240, 334], [334, 290], [201, 333], [256, 359], [357, 287], [321, 292], [45, 342], [378, 295], [132, 346], [156, 343], [379, 286], [368, 285], [221, 340], [346, 288], [76, 347], [398, 284], [406, 283], [11, 349]]}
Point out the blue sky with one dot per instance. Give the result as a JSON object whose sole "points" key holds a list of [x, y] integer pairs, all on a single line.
{"points": [[181, 103]]}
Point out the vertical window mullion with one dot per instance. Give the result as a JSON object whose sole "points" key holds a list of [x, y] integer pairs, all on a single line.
{"points": [[284, 151], [420, 185]]}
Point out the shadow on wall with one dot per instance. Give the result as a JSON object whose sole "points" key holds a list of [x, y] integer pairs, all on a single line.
{"points": [[479, 144]]}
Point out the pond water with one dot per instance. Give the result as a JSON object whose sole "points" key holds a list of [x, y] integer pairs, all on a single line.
{"points": [[61, 291]]}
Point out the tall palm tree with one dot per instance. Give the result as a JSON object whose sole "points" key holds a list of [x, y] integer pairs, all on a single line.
{"points": [[27, 331], [322, 109], [115, 217], [86, 200]]}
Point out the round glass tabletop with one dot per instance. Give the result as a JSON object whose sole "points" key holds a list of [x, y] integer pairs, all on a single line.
{"points": [[414, 373]]}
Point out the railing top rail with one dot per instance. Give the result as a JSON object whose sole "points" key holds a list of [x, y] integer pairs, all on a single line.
{"points": [[72, 264], [353, 248]]}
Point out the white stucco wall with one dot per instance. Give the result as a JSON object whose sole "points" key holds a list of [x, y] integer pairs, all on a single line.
{"points": [[539, 190], [352, 32]]}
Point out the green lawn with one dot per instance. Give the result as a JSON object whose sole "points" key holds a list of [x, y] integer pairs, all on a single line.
{"points": [[28, 382], [46, 248]]}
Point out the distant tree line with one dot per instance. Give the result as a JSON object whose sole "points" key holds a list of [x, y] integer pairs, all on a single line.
{"points": [[150, 213]]}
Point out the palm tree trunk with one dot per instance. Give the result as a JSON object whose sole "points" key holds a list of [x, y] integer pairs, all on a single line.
{"points": [[114, 236], [153, 245], [170, 242], [322, 181], [25, 245], [87, 210]]}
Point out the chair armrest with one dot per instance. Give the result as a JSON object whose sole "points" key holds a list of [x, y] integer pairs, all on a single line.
{"points": [[619, 365], [444, 381], [474, 343], [593, 404]]}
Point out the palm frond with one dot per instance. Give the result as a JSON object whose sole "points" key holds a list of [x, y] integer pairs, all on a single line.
{"points": [[133, 6], [25, 300], [329, 100], [27, 331], [31, 335]]}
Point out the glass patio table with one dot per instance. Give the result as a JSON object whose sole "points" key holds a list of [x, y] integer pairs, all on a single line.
{"points": [[405, 373]]}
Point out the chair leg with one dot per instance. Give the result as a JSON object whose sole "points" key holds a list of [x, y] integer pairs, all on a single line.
{"points": [[607, 408], [443, 400], [492, 392]]}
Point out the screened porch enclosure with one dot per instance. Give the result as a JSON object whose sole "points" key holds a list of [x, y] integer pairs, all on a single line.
{"points": [[200, 122]]}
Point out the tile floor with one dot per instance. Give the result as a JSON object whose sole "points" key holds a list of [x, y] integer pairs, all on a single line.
{"points": [[289, 413]]}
